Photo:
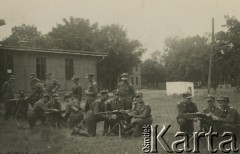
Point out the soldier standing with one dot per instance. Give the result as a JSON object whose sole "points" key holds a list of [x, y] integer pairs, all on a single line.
{"points": [[91, 92], [186, 106], [51, 85], [38, 111], [7, 95], [76, 89], [37, 90], [126, 88]]}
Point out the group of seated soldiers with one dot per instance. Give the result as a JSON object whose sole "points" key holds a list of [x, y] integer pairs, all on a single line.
{"points": [[222, 118], [121, 114]]}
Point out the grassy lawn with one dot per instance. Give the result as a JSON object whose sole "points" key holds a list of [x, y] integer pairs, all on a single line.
{"points": [[49, 140]]}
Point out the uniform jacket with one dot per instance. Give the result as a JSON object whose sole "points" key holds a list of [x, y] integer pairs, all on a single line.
{"points": [[77, 92], [92, 91], [7, 91], [126, 88]]}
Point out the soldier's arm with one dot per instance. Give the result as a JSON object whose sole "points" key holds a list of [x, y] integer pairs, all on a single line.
{"points": [[132, 90], [46, 109], [35, 91], [57, 85], [195, 108], [94, 90], [146, 113], [230, 118], [79, 93]]}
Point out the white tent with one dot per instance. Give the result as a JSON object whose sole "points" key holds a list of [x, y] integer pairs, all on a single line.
{"points": [[179, 88]]}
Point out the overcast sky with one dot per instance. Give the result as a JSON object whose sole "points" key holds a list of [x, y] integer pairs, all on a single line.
{"points": [[149, 21]]}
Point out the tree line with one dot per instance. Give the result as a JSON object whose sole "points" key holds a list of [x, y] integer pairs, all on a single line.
{"points": [[183, 59]]}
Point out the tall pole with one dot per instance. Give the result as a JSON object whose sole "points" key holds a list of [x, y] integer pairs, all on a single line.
{"points": [[210, 60]]}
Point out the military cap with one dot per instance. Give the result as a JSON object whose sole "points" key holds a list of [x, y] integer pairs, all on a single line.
{"points": [[35, 79], [103, 92], [46, 96], [68, 95], [125, 74], [55, 96], [12, 77], [89, 75], [223, 98], [138, 94], [187, 95], [75, 77], [209, 98], [49, 73]]}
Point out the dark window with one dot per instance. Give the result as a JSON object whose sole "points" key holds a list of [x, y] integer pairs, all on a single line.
{"points": [[136, 68], [10, 63], [41, 67], [136, 80], [69, 69]]}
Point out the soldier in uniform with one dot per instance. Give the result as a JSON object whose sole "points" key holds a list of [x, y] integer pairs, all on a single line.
{"points": [[113, 104], [76, 89], [73, 112], [38, 111], [37, 90], [126, 88], [92, 117], [55, 104], [7, 95], [186, 106], [51, 85], [230, 117], [210, 110], [91, 92], [141, 115]]}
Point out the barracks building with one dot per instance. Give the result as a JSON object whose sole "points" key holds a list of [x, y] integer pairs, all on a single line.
{"points": [[63, 64]]}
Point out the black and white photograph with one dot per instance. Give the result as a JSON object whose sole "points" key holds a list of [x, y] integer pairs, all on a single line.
{"points": [[119, 76]]}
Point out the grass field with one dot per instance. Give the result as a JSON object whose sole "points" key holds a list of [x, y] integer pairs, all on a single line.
{"points": [[49, 140]]}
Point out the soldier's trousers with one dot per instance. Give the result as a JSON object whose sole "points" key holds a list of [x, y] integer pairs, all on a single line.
{"points": [[138, 125], [33, 118], [9, 109], [88, 104], [187, 126], [92, 124]]}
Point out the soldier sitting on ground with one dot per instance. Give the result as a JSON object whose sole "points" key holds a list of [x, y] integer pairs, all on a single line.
{"points": [[38, 111], [92, 117], [141, 115], [113, 105], [186, 106], [207, 122], [73, 112], [230, 117]]}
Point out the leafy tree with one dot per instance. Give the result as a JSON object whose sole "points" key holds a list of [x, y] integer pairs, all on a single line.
{"points": [[123, 54], [186, 59], [2, 22], [227, 50], [25, 35]]}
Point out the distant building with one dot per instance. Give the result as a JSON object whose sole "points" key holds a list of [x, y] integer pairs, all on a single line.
{"points": [[63, 64], [135, 78]]}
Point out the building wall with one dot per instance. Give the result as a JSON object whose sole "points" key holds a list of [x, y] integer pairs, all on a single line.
{"points": [[136, 79], [25, 64]]}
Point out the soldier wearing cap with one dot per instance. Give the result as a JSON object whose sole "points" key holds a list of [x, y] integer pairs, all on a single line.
{"points": [[186, 106], [51, 85], [127, 88], [73, 112], [37, 90], [91, 91], [110, 105], [76, 89], [230, 117], [7, 95], [141, 115], [212, 109], [38, 111], [55, 104], [92, 117]]}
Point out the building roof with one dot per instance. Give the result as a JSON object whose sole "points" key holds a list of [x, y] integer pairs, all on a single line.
{"points": [[56, 51]]}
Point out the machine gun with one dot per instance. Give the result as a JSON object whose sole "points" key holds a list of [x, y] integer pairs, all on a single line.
{"points": [[55, 118], [192, 116]]}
